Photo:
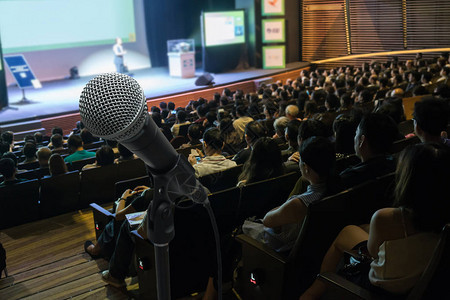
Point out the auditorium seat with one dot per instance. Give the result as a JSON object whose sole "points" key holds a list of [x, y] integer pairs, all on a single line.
{"points": [[97, 185], [192, 251], [287, 275], [34, 173], [186, 151], [79, 164], [123, 185], [221, 180], [28, 166], [19, 203], [59, 194], [259, 197], [433, 284], [131, 169]]}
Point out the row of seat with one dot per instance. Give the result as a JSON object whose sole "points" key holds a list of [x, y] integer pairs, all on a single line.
{"points": [[192, 228], [40, 198]]}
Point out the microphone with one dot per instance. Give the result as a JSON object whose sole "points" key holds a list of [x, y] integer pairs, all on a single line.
{"points": [[113, 106]]}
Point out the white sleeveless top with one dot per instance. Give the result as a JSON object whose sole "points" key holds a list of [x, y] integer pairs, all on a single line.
{"points": [[401, 262]]}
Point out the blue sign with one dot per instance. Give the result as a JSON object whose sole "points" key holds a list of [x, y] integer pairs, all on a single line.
{"points": [[21, 71]]}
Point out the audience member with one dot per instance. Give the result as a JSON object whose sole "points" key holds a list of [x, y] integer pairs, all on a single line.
{"points": [[56, 165], [253, 131], [264, 162], [76, 148], [180, 121], [29, 151], [431, 118], [242, 120], [400, 240], [8, 170], [43, 155], [56, 142], [317, 159], [213, 161], [233, 142], [104, 157], [374, 138], [124, 154]]}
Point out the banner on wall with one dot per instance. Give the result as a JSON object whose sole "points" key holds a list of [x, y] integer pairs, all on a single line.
{"points": [[274, 57], [272, 7], [273, 31]]}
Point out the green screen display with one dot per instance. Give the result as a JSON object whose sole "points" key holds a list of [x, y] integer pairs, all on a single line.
{"points": [[30, 25], [224, 28]]}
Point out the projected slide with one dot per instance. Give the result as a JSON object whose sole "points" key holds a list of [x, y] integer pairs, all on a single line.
{"points": [[30, 25], [223, 28]]}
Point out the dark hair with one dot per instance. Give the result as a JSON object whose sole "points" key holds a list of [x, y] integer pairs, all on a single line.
{"points": [[212, 138], [163, 105], [422, 172], [254, 130], [7, 167], [227, 92], [58, 130], [8, 136], [195, 131], [390, 108], [104, 156], [181, 116], [211, 116], [380, 131], [309, 128], [264, 162], [420, 90], [292, 130], [155, 109], [333, 101], [202, 110], [12, 156], [29, 150], [4, 147], [86, 136], [223, 100], [346, 100], [164, 114], [241, 110], [74, 141], [56, 140], [57, 165], [171, 105], [271, 108], [365, 95], [38, 137], [156, 117], [318, 153], [344, 127], [431, 115]]}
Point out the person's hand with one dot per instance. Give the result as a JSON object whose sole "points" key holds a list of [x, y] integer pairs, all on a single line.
{"points": [[295, 157], [192, 159], [127, 193], [140, 188]]}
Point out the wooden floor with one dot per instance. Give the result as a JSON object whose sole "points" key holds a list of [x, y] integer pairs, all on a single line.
{"points": [[46, 260]]}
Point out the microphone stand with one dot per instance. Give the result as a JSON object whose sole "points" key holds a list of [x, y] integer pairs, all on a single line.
{"points": [[168, 186]]}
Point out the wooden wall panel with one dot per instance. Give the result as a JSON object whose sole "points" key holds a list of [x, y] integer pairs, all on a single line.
{"points": [[428, 23], [375, 25], [323, 29]]}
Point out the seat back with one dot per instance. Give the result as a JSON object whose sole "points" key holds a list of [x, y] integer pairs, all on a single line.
{"points": [[346, 162], [186, 151], [28, 166], [406, 127], [260, 197], [123, 185], [399, 145], [183, 130], [59, 194], [97, 185], [79, 164], [19, 203], [130, 169], [433, 283], [221, 180]]}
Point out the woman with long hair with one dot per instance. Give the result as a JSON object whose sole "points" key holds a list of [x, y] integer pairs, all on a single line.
{"points": [[264, 162], [400, 239]]}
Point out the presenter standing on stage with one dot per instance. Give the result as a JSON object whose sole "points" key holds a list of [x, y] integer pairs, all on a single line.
{"points": [[119, 53]]}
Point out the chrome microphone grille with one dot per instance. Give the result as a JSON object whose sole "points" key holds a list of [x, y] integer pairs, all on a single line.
{"points": [[113, 106]]}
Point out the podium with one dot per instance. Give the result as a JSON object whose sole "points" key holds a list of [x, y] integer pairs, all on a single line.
{"points": [[181, 56]]}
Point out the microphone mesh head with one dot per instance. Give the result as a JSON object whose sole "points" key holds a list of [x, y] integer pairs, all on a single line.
{"points": [[113, 106]]}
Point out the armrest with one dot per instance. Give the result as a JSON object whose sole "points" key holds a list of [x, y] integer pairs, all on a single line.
{"points": [[340, 282], [101, 210], [245, 239]]}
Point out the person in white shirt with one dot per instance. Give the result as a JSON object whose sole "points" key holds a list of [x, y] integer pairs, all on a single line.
{"points": [[213, 161]]}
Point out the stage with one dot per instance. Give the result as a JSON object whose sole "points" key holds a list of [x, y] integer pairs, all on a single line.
{"points": [[60, 97]]}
